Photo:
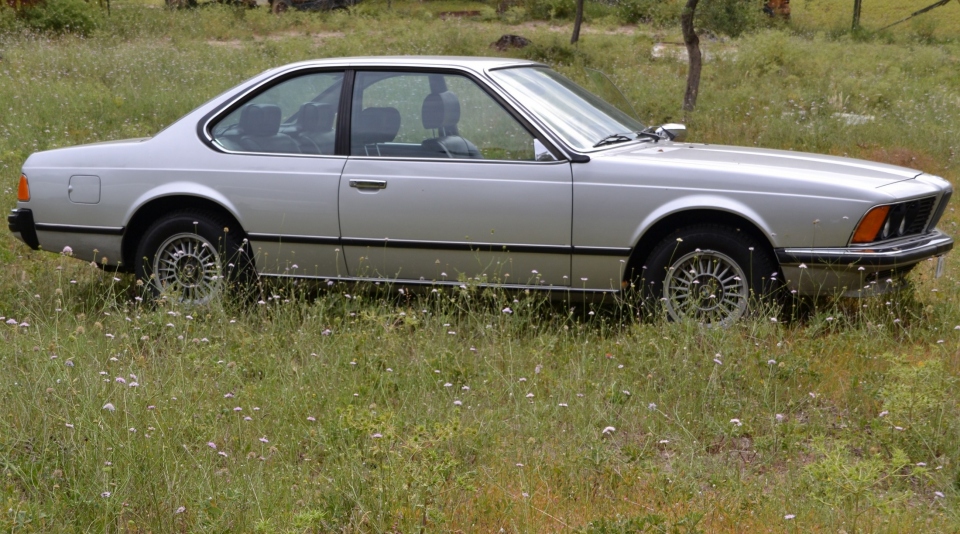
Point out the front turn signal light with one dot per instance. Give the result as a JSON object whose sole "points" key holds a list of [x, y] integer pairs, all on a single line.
{"points": [[871, 224], [23, 190]]}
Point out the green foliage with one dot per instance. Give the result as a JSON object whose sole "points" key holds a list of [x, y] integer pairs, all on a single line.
{"points": [[64, 16], [8, 19], [550, 9], [728, 17], [659, 13]]}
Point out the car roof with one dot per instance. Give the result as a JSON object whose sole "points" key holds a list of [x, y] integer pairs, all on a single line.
{"points": [[477, 64]]}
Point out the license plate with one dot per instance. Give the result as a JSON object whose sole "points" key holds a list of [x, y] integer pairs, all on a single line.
{"points": [[940, 261]]}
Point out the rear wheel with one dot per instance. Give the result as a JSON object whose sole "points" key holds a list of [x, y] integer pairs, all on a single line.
{"points": [[189, 255], [711, 274]]}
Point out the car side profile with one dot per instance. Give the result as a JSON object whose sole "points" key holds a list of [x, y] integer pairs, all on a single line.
{"points": [[433, 170]]}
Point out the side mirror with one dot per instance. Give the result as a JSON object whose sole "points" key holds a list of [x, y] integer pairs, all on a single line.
{"points": [[672, 132]]}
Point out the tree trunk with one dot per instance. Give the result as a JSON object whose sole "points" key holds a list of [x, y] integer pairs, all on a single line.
{"points": [[693, 53], [856, 13], [577, 22]]}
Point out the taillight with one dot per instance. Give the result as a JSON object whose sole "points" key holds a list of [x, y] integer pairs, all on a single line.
{"points": [[23, 190], [871, 224]]}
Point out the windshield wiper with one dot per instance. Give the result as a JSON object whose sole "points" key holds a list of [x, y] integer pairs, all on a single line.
{"points": [[649, 133], [613, 138]]}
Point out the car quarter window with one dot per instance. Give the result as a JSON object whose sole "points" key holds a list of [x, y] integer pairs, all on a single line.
{"points": [[430, 115], [295, 116]]}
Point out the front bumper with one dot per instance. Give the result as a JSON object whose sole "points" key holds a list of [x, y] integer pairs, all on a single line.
{"points": [[858, 271], [20, 222]]}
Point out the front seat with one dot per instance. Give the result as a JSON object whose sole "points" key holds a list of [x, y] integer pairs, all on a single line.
{"points": [[260, 130], [441, 112], [314, 129]]}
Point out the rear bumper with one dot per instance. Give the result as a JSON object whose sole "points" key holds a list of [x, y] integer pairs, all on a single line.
{"points": [[20, 222], [857, 271]]}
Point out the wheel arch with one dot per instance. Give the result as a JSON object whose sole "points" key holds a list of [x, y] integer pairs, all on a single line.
{"points": [[675, 220], [152, 210]]}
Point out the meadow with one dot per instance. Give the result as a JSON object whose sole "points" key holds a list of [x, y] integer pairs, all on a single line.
{"points": [[335, 408]]}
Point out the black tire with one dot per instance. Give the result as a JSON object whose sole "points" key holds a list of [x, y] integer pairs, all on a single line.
{"points": [[709, 273], [191, 255], [280, 6]]}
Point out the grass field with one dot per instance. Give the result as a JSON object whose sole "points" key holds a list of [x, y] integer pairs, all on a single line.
{"points": [[339, 409]]}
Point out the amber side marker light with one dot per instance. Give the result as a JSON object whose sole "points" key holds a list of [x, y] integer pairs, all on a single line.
{"points": [[870, 226], [23, 190]]}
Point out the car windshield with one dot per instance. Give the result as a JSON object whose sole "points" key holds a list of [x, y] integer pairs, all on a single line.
{"points": [[583, 120]]}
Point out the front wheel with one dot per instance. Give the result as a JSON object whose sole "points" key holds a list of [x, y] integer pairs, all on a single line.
{"points": [[188, 255], [710, 274]]}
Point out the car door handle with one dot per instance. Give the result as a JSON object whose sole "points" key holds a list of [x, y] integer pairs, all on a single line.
{"points": [[369, 184]]}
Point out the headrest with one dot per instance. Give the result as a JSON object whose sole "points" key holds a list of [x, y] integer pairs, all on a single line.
{"points": [[314, 117], [440, 110], [377, 125], [260, 120]]}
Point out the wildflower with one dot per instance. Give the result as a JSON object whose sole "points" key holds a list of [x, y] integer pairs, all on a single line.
{"points": [[311, 418], [69, 425], [921, 464], [221, 453], [212, 445], [717, 361], [248, 418], [788, 517], [562, 405], [120, 380], [447, 385], [151, 407], [652, 406], [626, 392], [106, 494], [771, 362], [181, 510], [264, 440], [523, 379], [939, 494], [507, 310], [780, 417], [883, 414], [736, 422], [228, 396], [109, 407], [132, 430], [377, 436], [457, 403], [238, 409], [68, 363], [519, 465], [67, 251], [529, 395], [663, 441], [608, 430]]}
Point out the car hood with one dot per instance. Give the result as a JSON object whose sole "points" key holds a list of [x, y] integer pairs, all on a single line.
{"points": [[773, 162]]}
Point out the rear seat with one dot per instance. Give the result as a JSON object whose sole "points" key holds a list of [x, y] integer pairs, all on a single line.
{"points": [[260, 131]]}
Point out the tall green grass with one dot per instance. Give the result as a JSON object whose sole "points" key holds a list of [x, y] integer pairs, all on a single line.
{"points": [[349, 409]]}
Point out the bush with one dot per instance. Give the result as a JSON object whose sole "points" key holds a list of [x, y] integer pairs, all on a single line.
{"points": [[728, 17], [551, 9], [659, 13], [8, 19], [63, 16]]}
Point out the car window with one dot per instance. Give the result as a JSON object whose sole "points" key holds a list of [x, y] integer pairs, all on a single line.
{"points": [[424, 115], [296, 116]]}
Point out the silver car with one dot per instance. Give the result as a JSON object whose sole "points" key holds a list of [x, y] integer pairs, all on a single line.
{"points": [[439, 170]]}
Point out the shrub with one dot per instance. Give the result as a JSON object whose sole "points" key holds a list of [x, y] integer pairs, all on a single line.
{"points": [[63, 16], [8, 19], [551, 9], [728, 17], [659, 13]]}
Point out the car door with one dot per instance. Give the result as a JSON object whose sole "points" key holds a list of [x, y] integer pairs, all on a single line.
{"points": [[279, 164], [444, 184]]}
